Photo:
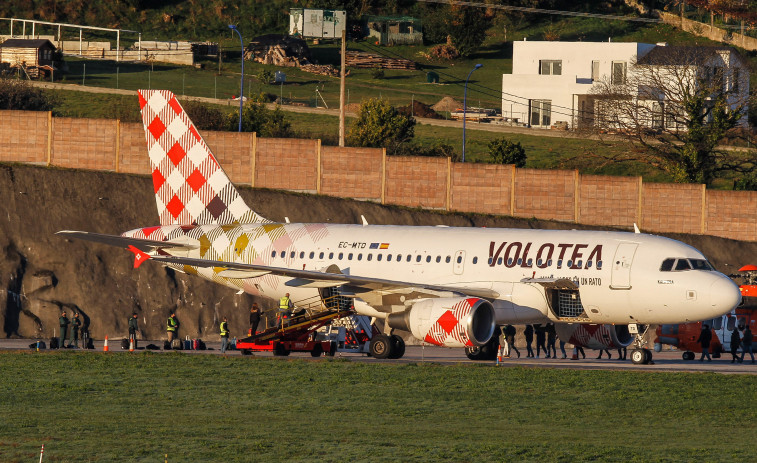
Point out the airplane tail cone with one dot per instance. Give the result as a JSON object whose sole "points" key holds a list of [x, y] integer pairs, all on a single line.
{"points": [[105, 346], [131, 345]]}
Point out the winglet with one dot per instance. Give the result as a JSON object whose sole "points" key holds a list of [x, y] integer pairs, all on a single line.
{"points": [[139, 256]]}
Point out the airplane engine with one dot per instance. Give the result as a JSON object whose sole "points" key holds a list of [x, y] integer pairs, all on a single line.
{"points": [[449, 322], [595, 336]]}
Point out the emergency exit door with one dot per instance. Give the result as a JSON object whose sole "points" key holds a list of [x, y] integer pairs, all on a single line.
{"points": [[459, 262], [621, 266]]}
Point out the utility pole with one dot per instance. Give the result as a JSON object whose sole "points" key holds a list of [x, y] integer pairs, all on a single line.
{"points": [[341, 89]]}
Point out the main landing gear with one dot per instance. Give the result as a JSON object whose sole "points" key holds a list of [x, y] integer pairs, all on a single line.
{"points": [[640, 355], [486, 352], [387, 347]]}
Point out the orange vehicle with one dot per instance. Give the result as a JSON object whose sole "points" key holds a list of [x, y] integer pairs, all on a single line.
{"points": [[684, 336]]}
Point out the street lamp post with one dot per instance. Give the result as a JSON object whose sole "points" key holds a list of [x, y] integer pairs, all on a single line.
{"points": [[465, 100], [241, 84]]}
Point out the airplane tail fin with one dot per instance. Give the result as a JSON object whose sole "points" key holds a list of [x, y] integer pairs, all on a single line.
{"points": [[191, 188]]}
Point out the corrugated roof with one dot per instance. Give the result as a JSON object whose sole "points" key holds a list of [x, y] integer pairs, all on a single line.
{"points": [[25, 43]]}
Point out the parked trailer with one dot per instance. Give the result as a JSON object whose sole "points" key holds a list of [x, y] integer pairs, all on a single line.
{"points": [[284, 348]]}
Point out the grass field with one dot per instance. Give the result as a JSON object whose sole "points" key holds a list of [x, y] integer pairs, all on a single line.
{"points": [[99, 407]]}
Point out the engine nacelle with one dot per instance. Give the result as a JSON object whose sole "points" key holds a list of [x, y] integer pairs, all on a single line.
{"points": [[449, 322], [594, 336]]}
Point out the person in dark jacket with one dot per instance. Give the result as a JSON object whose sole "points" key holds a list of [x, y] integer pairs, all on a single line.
{"points": [[622, 352], [73, 338], [254, 318], [510, 332], [529, 333], [609, 355], [746, 344], [705, 337], [551, 339], [541, 338], [133, 328], [735, 343], [63, 321]]}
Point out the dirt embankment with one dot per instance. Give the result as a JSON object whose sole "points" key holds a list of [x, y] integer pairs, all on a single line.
{"points": [[41, 273]]}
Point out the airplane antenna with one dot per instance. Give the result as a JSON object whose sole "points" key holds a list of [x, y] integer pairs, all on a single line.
{"points": [[365, 222], [636, 228]]}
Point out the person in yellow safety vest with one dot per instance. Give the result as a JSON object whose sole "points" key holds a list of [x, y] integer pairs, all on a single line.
{"points": [[224, 335], [285, 309], [172, 326]]}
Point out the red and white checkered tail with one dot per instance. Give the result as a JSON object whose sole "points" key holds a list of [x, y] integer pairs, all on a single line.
{"points": [[190, 186]]}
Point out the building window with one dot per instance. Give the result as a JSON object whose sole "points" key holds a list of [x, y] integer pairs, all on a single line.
{"points": [[595, 70], [550, 67], [658, 110], [736, 76], [541, 113], [618, 72]]}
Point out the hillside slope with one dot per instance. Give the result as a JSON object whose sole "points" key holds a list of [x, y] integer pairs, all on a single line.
{"points": [[41, 273]]}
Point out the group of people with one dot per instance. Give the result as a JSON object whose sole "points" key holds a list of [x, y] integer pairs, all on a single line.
{"points": [[73, 328], [546, 341], [743, 340]]}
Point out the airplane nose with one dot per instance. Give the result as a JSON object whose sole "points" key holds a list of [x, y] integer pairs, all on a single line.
{"points": [[724, 296]]}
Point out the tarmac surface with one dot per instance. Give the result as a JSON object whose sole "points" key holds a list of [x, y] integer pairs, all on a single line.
{"points": [[665, 361]]}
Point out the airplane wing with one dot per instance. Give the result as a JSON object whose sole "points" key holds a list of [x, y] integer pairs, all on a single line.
{"points": [[299, 278]]}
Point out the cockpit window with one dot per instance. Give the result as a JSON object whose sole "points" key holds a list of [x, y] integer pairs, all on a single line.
{"points": [[671, 264], [683, 264]]}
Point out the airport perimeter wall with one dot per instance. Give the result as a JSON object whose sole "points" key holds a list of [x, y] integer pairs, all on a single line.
{"points": [[368, 174]]}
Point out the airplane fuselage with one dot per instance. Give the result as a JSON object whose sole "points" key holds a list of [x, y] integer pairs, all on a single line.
{"points": [[617, 275]]}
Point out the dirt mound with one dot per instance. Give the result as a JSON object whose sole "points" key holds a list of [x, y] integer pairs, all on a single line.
{"points": [[447, 104], [419, 110]]}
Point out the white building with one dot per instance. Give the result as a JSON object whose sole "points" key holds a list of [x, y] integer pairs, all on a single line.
{"points": [[551, 82]]}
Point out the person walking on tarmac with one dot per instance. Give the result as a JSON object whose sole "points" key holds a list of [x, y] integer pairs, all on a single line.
{"points": [[504, 348], [73, 338], [746, 344], [551, 339], [735, 343], [133, 328], [541, 338], [172, 328], [63, 320], [224, 335], [285, 309], [529, 333], [705, 337], [510, 338], [254, 318]]}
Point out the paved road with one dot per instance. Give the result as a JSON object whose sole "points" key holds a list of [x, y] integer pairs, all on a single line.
{"points": [[665, 361]]}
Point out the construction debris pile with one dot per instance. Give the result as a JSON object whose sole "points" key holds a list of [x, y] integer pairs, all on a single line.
{"points": [[361, 59], [281, 50]]}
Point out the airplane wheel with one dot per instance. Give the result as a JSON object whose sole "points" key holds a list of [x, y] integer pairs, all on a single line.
{"points": [[381, 346], [474, 353], [280, 350], [688, 355], [317, 351], [398, 347], [246, 352], [638, 357], [332, 350]]}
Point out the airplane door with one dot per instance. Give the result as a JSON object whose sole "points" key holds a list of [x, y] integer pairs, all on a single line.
{"points": [[459, 262], [621, 266]]}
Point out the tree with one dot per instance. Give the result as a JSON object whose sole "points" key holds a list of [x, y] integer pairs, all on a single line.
{"points": [[256, 117], [206, 117], [467, 28], [504, 151], [20, 95], [380, 125], [676, 105]]}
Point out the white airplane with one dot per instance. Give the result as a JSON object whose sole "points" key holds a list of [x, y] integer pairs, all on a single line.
{"points": [[447, 286]]}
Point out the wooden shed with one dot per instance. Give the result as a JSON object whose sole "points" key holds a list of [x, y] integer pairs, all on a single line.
{"points": [[34, 56]]}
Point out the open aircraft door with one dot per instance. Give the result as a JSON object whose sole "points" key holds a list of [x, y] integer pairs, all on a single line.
{"points": [[621, 266]]}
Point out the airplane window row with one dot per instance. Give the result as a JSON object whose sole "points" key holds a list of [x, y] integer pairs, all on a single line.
{"points": [[418, 258], [676, 265]]}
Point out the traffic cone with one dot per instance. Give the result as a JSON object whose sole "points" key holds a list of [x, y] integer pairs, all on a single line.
{"points": [[105, 346], [575, 354], [131, 345], [499, 359]]}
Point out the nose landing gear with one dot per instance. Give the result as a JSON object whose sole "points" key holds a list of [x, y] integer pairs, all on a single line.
{"points": [[640, 355]]}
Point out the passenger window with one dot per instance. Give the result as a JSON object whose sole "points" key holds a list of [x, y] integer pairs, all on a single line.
{"points": [[399, 257], [370, 257], [570, 264], [510, 262], [360, 257], [588, 264], [302, 254], [273, 254], [489, 261], [459, 259], [341, 254], [499, 261], [731, 325], [667, 265], [291, 255], [530, 262], [447, 260], [599, 265], [539, 262], [520, 261], [559, 262], [428, 259], [388, 258], [409, 256], [349, 256], [282, 254], [418, 258], [475, 260], [683, 264], [331, 255], [579, 264], [320, 256], [378, 257]]}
